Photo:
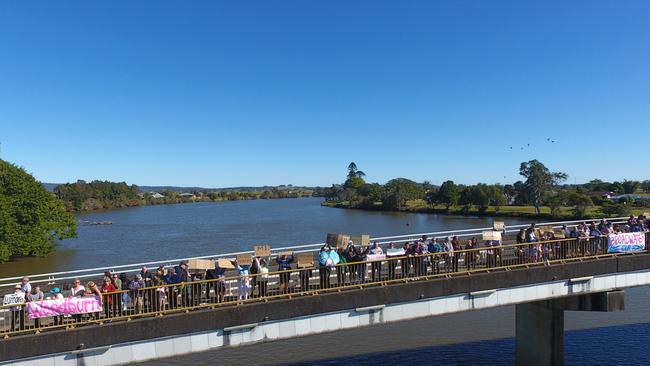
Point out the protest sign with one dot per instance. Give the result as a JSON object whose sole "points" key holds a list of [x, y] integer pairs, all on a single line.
{"points": [[225, 263], [14, 299], [305, 260], [492, 235], [262, 250], [499, 225], [363, 240], [200, 264], [68, 306], [626, 242], [244, 259]]}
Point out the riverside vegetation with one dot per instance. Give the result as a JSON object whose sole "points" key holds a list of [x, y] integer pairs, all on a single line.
{"points": [[84, 196], [540, 194]]}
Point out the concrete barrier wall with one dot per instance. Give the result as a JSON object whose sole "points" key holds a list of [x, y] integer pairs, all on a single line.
{"points": [[127, 353]]}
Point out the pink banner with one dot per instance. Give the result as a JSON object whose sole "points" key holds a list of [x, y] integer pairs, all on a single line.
{"points": [[74, 305]]}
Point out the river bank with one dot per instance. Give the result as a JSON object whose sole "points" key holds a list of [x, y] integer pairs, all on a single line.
{"points": [[522, 212]]}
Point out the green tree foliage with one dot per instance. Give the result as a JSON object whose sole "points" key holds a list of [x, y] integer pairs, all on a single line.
{"points": [[448, 194], [539, 181], [400, 190], [82, 196], [645, 186], [581, 203], [630, 186], [31, 219], [616, 209], [353, 172]]}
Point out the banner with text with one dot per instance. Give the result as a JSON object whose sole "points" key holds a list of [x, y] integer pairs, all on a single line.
{"points": [[626, 242], [75, 305]]}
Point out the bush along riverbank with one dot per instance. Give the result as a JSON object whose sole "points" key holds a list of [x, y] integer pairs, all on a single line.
{"points": [[540, 196]]}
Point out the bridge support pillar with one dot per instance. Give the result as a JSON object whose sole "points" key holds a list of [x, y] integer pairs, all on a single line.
{"points": [[540, 325]]}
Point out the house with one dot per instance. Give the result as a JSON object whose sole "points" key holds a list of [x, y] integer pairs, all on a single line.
{"points": [[156, 195], [187, 195]]}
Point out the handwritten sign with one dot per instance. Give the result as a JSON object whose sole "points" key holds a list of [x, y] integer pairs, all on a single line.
{"points": [[14, 299], [342, 241], [262, 250], [395, 252], [244, 259], [375, 257], [492, 235], [305, 260], [200, 264], [363, 240], [626, 242], [225, 263], [499, 225], [80, 305]]}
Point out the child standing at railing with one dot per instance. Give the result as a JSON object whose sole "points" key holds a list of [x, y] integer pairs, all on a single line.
{"points": [[243, 281]]}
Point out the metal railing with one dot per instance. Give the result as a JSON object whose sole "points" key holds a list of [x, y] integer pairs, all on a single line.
{"points": [[98, 272], [169, 298]]}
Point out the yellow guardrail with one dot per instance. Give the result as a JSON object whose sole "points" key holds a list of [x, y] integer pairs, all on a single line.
{"points": [[165, 299]]}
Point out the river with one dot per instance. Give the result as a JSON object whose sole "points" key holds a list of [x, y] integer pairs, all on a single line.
{"points": [[483, 337]]}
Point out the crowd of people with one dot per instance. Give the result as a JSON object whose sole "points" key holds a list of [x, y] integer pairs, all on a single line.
{"points": [[179, 287]]}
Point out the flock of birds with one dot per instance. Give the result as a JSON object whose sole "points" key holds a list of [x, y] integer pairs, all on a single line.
{"points": [[548, 140]]}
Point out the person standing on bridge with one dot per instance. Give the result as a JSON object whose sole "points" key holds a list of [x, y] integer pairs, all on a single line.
{"points": [[243, 281], [108, 289], [284, 265], [376, 265]]}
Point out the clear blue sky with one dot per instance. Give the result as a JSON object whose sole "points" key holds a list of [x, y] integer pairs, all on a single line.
{"points": [[229, 93]]}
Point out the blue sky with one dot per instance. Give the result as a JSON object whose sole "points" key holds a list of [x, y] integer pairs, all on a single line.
{"points": [[233, 93]]}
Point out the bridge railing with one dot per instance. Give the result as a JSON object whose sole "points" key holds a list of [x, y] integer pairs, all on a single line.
{"points": [[62, 277], [232, 291]]}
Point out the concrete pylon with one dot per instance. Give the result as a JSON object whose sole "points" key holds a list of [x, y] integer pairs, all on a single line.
{"points": [[540, 325]]}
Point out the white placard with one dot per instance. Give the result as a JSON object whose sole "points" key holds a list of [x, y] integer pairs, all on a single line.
{"points": [[14, 299], [492, 235]]}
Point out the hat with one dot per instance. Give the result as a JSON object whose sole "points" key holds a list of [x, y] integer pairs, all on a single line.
{"points": [[55, 290], [18, 286]]}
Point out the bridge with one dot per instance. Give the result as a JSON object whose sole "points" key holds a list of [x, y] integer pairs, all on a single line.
{"points": [[543, 279]]}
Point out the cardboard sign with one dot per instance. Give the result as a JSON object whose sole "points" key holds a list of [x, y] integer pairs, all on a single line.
{"points": [[285, 254], [331, 239], [305, 260], [14, 299], [225, 263], [244, 259], [342, 241], [492, 235], [200, 264], [559, 235], [262, 250], [499, 225], [363, 240], [647, 215]]}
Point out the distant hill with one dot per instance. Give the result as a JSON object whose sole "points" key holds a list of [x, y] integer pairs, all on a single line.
{"points": [[50, 186], [228, 189]]}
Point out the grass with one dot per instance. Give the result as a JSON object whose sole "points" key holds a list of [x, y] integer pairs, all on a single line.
{"points": [[421, 206]]}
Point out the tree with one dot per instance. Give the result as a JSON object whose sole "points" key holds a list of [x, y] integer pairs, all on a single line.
{"points": [[630, 186], [615, 209], [480, 196], [353, 172], [496, 197], [645, 185], [31, 219], [399, 191], [580, 202], [448, 194], [539, 181]]}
